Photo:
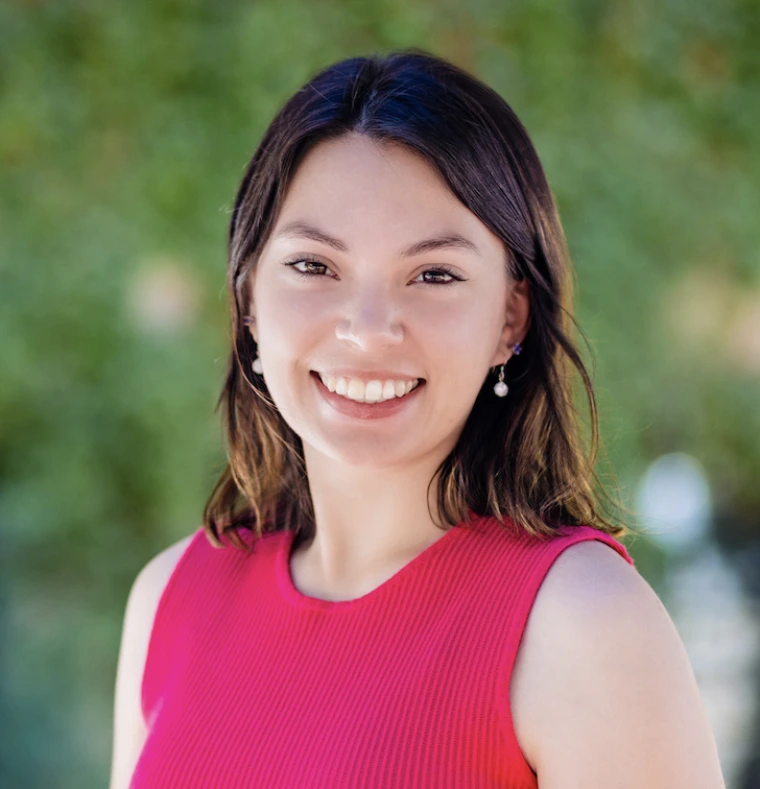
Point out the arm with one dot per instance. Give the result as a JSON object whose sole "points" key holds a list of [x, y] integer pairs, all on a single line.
{"points": [[129, 727], [605, 692]]}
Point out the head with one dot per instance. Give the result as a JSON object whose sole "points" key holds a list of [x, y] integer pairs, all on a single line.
{"points": [[395, 222]]}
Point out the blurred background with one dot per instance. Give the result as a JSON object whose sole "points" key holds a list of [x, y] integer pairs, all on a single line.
{"points": [[124, 131]]}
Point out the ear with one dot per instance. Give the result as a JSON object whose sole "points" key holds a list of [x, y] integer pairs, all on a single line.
{"points": [[249, 319], [516, 321], [249, 304], [248, 311]]}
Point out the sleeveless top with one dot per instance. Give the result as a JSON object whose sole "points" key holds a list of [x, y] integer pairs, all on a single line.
{"points": [[250, 683]]}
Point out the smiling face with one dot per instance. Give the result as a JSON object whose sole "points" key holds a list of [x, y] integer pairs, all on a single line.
{"points": [[346, 287]]}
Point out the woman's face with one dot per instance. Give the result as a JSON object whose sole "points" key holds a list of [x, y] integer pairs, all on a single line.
{"points": [[393, 280]]}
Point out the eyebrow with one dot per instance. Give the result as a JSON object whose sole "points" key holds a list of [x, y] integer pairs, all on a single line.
{"points": [[300, 229]]}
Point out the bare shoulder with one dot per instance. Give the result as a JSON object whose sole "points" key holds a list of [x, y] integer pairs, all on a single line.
{"points": [[150, 582], [591, 576], [142, 604], [129, 728], [603, 693], [146, 591]]}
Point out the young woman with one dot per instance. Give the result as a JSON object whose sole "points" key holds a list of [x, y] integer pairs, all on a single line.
{"points": [[404, 577]]}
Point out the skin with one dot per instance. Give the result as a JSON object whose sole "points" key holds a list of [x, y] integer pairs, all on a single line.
{"points": [[370, 308], [602, 694], [129, 727]]}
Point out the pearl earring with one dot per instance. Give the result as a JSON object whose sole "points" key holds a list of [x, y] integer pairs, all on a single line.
{"points": [[248, 320], [500, 388]]}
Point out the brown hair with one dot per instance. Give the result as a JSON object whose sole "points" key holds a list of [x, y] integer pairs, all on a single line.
{"points": [[523, 457]]}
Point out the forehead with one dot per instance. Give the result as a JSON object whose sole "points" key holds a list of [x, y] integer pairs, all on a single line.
{"points": [[356, 156], [355, 185]]}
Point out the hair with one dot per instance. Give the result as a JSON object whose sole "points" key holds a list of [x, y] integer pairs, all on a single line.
{"points": [[529, 457]]}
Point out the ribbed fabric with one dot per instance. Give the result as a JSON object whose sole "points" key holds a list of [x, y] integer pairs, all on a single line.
{"points": [[249, 683]]}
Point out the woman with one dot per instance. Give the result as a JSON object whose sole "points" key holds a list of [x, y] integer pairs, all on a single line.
{"points": [[404, 577]]}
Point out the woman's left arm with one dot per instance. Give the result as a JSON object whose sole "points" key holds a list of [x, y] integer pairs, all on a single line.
{"points": [[613, 701]]}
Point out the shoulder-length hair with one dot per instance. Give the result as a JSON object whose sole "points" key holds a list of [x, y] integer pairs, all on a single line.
{"points": [[524, 457]]}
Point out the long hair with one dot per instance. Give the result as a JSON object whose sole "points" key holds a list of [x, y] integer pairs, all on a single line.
{"points": [[529, 458]]}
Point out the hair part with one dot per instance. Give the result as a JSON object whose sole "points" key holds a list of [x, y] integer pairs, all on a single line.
{"points": [[525, 458]]}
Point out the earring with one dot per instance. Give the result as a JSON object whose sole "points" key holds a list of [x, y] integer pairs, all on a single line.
{"points": [[256, 364], [500, 388]]}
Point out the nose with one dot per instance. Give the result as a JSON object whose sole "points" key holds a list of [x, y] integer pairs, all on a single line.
{"points": [[370, 321]]}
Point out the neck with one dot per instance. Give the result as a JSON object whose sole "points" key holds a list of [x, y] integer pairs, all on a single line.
{"points": [[369, 523]]}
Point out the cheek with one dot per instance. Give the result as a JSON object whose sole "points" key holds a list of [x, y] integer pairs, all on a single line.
{"points": [[290, 321], [463, 334]]}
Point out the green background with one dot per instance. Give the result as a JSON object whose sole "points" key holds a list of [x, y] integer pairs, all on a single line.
{"points": [[124, 131]]}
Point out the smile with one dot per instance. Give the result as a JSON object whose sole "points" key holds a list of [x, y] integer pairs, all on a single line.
{"points": [[367, 408], [375, 391]]}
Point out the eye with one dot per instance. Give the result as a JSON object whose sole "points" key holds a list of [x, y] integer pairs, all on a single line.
{"points": [[313, 267], [441, 271]]}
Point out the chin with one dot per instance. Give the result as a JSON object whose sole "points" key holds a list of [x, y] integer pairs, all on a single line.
{"points": [[363, 452]]}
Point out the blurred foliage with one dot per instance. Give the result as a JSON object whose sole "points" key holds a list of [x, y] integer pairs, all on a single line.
{"points": [[124, 130]]}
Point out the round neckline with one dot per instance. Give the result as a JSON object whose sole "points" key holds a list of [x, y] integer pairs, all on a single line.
{"points": [[294, 596]]}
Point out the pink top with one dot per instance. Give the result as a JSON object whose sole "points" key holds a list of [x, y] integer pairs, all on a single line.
{"points": [[249, 683]]}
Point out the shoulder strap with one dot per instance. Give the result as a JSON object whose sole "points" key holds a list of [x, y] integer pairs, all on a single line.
{"points": [[167, 623], [203, 581]]}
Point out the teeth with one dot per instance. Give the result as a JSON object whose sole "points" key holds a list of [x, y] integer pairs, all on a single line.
{"points": [[372, 392], [355, 389]]}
